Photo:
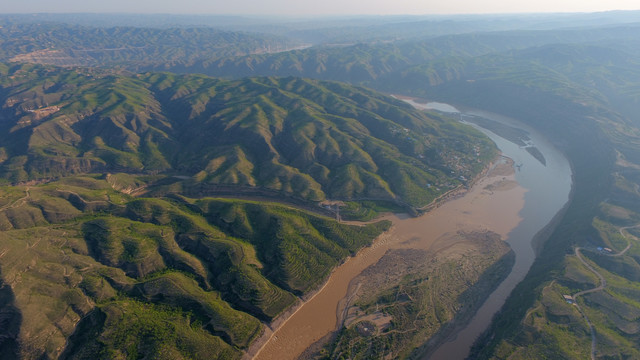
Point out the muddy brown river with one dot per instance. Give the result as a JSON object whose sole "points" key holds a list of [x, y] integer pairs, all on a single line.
{"points": [[546, 178], [523, 201]]}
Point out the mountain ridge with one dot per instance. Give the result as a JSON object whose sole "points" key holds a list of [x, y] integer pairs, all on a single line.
{"points": [[347, 143]]}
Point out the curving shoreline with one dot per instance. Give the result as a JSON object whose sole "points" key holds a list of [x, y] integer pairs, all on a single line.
{"points": [[256, 348], [429, 349], [317, 317], [550, 191], [543, 209]]}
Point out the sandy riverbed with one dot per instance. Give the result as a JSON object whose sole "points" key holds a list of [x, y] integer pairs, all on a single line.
{"points": [[492, 204]]}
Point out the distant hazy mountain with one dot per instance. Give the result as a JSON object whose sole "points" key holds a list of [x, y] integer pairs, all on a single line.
{"points": [[383, 65], [127, 47], [342, 29]]}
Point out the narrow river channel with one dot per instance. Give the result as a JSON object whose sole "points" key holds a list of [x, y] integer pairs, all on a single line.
{"points": [[546, 175]]}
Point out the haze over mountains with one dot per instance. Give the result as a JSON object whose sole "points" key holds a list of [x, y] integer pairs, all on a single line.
{"points": [[109, 162]]}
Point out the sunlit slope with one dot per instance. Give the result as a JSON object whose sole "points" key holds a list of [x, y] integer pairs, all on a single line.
{"points": [[308, 139], [175, 278]]}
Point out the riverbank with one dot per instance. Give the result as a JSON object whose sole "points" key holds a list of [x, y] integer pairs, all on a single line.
{"points": [[490, 206], [549, 185]]}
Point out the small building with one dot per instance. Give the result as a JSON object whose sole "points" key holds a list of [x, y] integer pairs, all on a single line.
{"points": [[608, 250], [568, 298]]}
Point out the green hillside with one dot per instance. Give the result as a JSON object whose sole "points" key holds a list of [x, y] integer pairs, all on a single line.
{"points": [[306, 139], [109, 276], [112, 242], [115, 242], [582, 93]]}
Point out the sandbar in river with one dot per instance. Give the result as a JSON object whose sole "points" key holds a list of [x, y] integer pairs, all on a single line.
{"points": [[492, 204]]}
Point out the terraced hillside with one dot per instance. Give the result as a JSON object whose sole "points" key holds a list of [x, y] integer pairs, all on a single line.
{"points": [[87, 271], [306, 139]]}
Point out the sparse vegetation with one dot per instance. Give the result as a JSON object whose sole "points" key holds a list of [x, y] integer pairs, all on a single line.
{"points": [[424, 298]]}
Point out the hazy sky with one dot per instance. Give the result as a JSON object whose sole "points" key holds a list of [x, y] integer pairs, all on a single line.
{"points": [[315, 7]]}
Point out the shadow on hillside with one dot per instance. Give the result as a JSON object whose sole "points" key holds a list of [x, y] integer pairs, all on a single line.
{"points": [[10, 323]]}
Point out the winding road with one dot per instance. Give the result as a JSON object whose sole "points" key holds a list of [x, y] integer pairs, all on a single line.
{"points": [[22, 200], [603, 284]]}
